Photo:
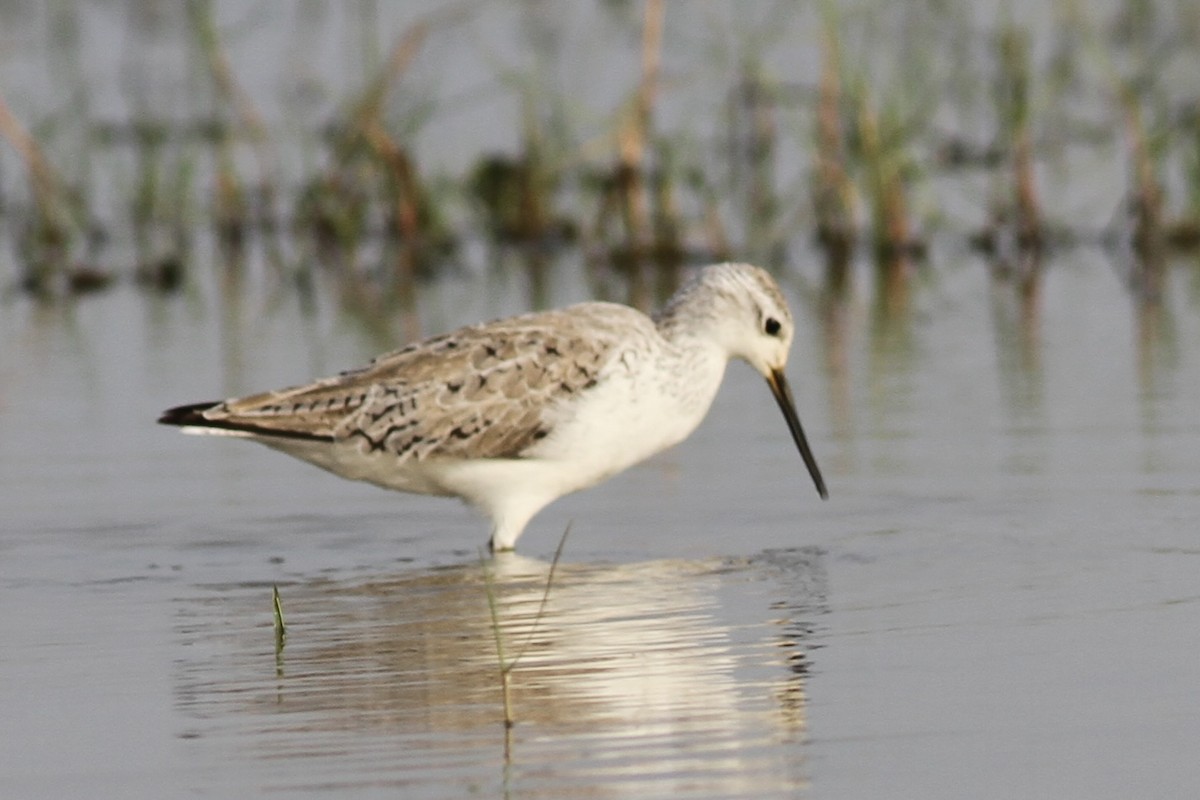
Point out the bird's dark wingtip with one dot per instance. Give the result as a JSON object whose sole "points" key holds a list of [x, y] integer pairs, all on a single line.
{"points": [[192, 414]]}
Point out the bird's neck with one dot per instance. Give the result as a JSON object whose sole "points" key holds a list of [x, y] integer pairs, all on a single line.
{"points": [[696, 361]]}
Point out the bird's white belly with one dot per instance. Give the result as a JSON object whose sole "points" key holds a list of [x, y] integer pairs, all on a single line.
{"points": [[625, 421], [348, 459]]}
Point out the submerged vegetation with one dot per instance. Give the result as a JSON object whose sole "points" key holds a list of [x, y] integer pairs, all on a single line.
{"points": [[861, 132], [506, 664]]}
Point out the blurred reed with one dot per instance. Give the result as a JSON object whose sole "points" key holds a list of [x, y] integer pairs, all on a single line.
{"points": [[644, 197]]}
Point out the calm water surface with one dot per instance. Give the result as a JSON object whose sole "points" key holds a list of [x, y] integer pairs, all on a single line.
{"points": [[999, 599]]}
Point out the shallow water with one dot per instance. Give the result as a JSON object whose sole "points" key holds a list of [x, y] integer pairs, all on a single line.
{"points": [[999, 599]]}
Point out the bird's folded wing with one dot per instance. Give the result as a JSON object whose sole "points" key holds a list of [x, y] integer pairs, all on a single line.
{"points": [[487, 391]]}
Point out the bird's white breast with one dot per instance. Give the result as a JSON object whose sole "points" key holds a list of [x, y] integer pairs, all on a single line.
{"points": [[649, 399]]}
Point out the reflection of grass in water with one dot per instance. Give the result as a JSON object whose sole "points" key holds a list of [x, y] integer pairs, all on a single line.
{"points": [[507, 666]]}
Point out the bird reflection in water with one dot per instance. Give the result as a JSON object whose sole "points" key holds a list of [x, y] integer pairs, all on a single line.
{"points": [[636, 676]]}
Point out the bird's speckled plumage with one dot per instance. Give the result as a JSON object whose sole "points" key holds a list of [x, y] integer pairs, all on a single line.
{"points": [[511, 414], [486, 391]]}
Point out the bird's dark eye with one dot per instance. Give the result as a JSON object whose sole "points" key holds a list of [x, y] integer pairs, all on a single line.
{"points": [[772, 326]]}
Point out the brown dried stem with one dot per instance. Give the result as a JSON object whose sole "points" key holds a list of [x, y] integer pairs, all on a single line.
{"points": [[631, 144]]}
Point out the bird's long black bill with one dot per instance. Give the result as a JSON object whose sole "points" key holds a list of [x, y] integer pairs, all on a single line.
{"points": [[783, 396]]}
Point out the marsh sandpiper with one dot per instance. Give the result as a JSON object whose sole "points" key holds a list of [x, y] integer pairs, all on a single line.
{"points": [[511, 415]]}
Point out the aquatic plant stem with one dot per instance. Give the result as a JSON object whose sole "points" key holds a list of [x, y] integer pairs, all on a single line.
{"points": [[498, 637], [506, 667], [545, 597], [57, 221], [280, 627], [833, 191], [632, 137]]}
